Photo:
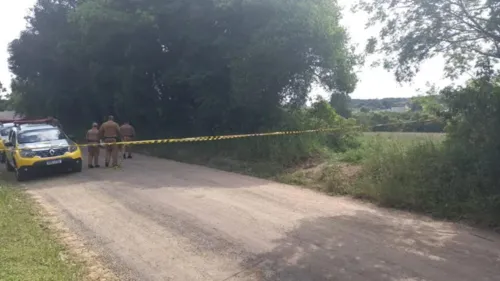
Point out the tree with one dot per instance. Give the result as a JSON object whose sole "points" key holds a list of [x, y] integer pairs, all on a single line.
{"points": [[340, 103], [386, 104], [230, 68], [413, 31], [465, 168], [5, 99], [430, 104]]}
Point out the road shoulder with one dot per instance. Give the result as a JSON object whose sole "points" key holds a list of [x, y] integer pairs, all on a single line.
{"points": [[36, 245]]}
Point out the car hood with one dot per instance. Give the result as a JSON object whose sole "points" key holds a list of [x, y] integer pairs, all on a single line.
{"points": [[45, 145]]}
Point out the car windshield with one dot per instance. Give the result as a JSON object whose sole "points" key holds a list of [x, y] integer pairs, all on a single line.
{"points": [[40, 136], [5, 131]]}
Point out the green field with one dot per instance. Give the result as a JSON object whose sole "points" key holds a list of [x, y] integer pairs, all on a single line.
{"points": [[374, 142], [28, 249], [403, 137]]}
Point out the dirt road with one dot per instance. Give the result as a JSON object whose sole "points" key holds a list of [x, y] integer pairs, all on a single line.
{"points": [[161, 220]]}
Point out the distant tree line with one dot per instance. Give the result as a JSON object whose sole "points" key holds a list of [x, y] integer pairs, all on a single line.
{"points": [[400, 122], [423, 115], [366, 105]]}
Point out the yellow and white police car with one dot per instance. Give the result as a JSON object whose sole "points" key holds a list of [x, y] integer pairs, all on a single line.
{"points": [[33, 149]]}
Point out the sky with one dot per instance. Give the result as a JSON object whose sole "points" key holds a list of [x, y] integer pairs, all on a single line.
{"points": [[374, 82]]}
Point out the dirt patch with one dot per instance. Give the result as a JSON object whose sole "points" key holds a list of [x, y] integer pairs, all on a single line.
{"points": [[330, 178], [94, 269], [350, 170]]}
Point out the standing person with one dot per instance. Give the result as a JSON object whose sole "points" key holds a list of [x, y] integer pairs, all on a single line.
{"points": [[128, 134], [110, 133], [93, 138]]}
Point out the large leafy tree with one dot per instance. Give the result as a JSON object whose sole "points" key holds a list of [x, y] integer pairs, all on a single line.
{"points": [[463, 31], [186, 66]]}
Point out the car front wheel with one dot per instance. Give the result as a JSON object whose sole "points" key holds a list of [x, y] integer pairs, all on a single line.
{"points": [[21, 175], [78, 167]]}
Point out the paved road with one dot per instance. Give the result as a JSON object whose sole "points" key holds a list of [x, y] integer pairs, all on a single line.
{"points": [[162, 220]]}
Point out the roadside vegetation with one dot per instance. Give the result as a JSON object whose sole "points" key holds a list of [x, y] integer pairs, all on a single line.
{"points": [[455, 179], [271, 155], [28, 249]]}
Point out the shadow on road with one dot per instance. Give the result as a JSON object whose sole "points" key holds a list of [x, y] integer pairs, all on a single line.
{"points": [[369, 247]]}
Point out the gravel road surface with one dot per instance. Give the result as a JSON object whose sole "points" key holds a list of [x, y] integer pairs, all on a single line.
{"points": [[161, 220]]}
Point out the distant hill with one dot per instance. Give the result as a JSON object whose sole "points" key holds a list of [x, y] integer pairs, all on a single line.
{"points": [[378, 104]]}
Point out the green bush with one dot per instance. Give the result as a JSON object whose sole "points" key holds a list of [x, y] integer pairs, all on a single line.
{"points": [[432, 178]]}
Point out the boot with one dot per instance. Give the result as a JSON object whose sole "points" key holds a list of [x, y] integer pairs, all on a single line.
{"points": [[91, 166], [106, 164], [97, 166], [130, 156], [124, 156]]}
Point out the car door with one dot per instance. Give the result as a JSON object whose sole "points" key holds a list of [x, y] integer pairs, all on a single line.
{"points": [[12, 148]]}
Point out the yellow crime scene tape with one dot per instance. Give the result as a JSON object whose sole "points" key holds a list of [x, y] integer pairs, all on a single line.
{"points": [[226, 137]]}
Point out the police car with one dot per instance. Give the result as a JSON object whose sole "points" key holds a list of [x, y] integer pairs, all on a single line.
{"points": [[35, 148]]}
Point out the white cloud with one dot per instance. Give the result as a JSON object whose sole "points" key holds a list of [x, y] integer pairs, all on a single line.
{"points": [[12, 13]]}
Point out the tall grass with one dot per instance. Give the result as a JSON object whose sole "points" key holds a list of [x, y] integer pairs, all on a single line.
{"points": [[405, 137], [260, 156], [428, 177], [372, 143], [267, 156]]}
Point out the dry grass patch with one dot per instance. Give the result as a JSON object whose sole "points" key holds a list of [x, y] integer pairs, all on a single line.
{"points": [[334, 179]]}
